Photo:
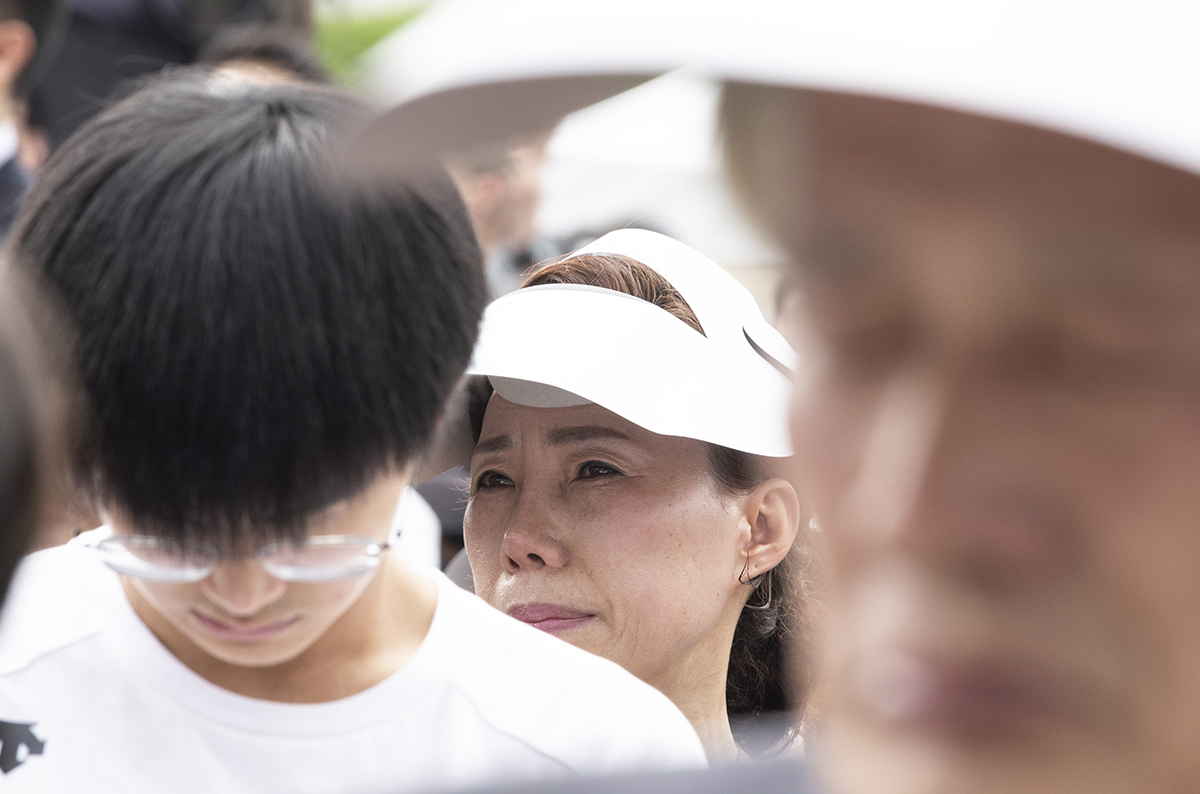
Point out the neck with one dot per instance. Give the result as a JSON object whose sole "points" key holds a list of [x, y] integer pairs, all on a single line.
{"points": [[704, 707], [696, 685]]}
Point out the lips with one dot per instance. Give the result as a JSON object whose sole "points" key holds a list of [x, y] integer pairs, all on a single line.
{"points": [[964, 698], [550, 618], [253, 633]]}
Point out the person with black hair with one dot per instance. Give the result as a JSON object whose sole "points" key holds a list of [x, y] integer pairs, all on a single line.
{"points": [[622, 495], [28, 31], [265, 347]]}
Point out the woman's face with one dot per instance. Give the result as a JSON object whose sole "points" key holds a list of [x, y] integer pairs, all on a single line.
{"points": [[612, 537]]}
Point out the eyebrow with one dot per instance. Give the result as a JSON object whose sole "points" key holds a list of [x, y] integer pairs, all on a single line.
{"points": [[564, 436], [493, 444], [559, 437]]}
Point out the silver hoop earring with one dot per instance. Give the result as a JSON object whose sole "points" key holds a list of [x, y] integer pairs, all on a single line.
{"points": [[757, 583]]}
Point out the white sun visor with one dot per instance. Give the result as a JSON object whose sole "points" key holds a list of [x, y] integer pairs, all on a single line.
{"points": [[727, 386]]}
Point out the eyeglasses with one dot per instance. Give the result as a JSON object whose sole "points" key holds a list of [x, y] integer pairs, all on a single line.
{"points": [[322, 558]]}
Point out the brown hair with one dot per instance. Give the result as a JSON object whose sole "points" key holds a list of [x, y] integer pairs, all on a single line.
{"points": [[619, 274], [762, 697]]}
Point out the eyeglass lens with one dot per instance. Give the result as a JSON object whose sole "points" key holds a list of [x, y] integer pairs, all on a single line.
{"points": [[320, 558], [158, 560]]}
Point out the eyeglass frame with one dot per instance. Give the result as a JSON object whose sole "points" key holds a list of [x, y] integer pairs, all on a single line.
{"points": [[372, 556]]}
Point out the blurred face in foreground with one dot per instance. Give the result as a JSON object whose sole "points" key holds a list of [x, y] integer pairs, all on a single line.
{"points": [[1001, 438]]}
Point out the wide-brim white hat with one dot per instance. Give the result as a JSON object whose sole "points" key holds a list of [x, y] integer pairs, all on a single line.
{"points": [[557, 345], [1126, 74]]}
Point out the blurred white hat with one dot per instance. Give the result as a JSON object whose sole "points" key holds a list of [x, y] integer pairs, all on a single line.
{"points": [[557, 345], [1122, 73]]}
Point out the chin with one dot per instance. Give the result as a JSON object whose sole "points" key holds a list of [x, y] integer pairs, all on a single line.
{"points": [[253, 655]]}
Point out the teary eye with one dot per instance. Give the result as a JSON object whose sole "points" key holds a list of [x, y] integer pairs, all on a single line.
{"points": [[597, 468], [492, 479]]}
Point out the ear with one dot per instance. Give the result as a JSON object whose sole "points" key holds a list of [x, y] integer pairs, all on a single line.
{"points": [[773, 512], [17, 46]]}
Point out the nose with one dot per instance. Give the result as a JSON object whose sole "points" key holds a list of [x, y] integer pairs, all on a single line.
{"points": [[242, 587], [896, 451], [532, 539], [949, 474]]}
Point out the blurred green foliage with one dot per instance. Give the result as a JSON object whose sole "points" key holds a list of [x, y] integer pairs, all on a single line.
{"points": [[341, 39]]}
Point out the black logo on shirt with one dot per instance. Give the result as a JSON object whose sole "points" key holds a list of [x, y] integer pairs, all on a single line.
{"points": [[14, 736]]}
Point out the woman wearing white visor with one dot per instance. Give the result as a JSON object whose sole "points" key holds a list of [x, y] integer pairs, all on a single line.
{"points": [[620, 489]]}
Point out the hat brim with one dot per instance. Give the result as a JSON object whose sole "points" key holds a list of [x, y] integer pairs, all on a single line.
{"points": [[638, 361], [1127, 76]]}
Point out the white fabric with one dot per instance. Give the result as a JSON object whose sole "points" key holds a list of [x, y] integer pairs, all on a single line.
{"points": [[485, 700], [1126, 73], [416, 531], [535, 395], [640, 361]]}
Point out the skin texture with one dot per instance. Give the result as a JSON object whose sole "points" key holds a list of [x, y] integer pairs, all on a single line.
{"points": [[334, 638], [580, 509], [1000, 435]]}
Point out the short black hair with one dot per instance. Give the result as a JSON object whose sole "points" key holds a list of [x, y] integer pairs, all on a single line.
{"points": [[47, 19], [259, 334]]}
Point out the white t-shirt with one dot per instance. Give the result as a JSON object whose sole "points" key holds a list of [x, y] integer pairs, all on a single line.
{"points": [[485, 700], [416, 531]]}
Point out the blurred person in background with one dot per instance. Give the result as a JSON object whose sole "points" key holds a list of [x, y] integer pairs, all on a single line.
{"points": [[501, 185], [36, 401], [239, 624], [36, 416], [109, 44], [29, 32], [269, 51], [623, 500]]}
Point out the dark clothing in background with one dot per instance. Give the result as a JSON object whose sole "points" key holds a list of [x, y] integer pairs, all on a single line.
{"points": [[93, 61], [109, 44]]}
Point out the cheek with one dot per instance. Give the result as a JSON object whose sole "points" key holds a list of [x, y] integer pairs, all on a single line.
{"points": [[1146, 496], [665, 567], [172, 601], [482, 539]]}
